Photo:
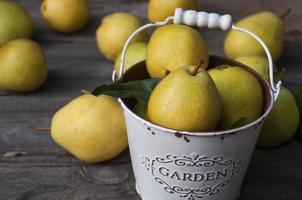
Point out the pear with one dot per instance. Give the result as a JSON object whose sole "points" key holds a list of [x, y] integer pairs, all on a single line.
{"points": [[174, 46], [185, 100], [15, 22], [141, 110], [257, 63], [268, 26], [159, 10], [22, 66], [114, 32], [65, 15], [281, 124], [91, 128], [241, 95], [136, 53]]}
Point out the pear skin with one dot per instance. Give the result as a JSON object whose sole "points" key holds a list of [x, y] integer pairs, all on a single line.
{"points": [[22, 66], [267, 25], [241, 95], [174, 46], [65, 15], [257, 63], [185, 102], [114, 32], [159, 10], [15, 22], [91, 128], [281, 124], [135, 53]]}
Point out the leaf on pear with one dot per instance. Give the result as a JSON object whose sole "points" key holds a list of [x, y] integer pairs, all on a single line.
{"points": [[140, 90], [240, 122]]}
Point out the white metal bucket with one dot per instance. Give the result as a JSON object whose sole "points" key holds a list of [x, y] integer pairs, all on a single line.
{"points": [[179, 165]]}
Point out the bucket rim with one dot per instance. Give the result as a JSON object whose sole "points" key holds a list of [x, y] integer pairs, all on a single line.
{"points": [[212, 133]]}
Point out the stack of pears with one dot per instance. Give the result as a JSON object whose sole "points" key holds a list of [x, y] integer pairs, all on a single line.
{"points": [[282, 123], [22, 62], [191, 99], [188, 97]]}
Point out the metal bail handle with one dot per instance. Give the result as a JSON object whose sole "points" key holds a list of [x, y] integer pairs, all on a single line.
{"points": [[202, 20]]}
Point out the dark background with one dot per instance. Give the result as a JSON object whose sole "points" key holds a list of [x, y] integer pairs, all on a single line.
{"points": [[32, 166]]}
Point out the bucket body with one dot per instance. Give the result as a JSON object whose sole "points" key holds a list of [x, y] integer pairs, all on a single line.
{"points": [[172, 165]]}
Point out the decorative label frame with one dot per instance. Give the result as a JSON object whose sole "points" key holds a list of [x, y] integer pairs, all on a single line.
{"points": [[163, 169]]}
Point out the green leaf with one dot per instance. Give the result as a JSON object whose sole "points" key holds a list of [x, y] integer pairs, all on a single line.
{"points": [[240, 122], [140, 90]]}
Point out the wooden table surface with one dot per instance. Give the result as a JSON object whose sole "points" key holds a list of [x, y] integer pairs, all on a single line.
{"points": [[33, 167]]}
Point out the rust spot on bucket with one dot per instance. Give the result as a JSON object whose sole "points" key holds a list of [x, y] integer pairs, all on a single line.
{"points": [[186, 139], [177, 134]]}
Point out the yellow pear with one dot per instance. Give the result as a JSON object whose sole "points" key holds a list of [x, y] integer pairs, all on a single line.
{"points": [[185, 100], [282, 123], [65, 15], [141, 110], [159, 10], [241, 95], [114, 32], [136, 53], [22, 66], [268, 26], [91, 128], [174, 46], [257, 63], [14, 22]]}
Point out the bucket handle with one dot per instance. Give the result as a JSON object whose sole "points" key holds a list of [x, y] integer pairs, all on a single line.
{"points": [[202, 19]]}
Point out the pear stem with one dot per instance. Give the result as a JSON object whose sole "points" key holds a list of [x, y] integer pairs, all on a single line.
{"points": [[167, 72], [194, 72], [296, 31], [286, 13], [43, 129], [280, 75]]}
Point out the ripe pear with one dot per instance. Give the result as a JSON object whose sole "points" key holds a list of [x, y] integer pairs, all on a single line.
{"points": [[136, 53], [65, 15], [185, 100], [257, 63], [241, 95], [174, 46], [268, 26], [114, 32], [159, 10], [282, 123], [22, 66], [141, 110], [91, 128], [14, 22]]}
